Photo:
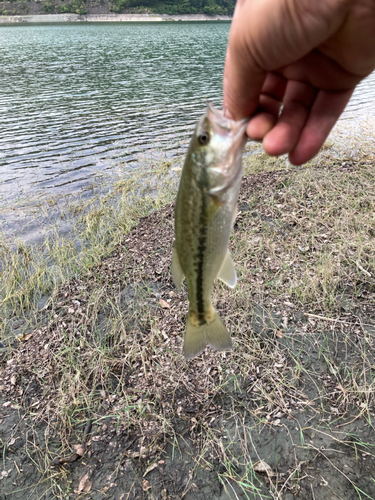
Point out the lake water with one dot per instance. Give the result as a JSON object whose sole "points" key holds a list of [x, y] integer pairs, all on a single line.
{"points": [[81, 99], [78, 99]]}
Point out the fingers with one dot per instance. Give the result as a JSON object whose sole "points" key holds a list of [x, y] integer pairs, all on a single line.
{"points": [[324, 113], [284, 136], [322, 72], [269, 107], [307, 117]]}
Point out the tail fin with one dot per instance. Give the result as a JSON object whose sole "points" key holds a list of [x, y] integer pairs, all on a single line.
{"points": [[213, 333]]}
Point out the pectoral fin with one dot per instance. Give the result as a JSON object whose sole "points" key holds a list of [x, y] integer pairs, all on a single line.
{"points": [[213, 207], [177, 272], [227, 272]]}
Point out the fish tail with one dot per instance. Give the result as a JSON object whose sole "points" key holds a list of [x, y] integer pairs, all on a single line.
{"points": [[213, 333]]}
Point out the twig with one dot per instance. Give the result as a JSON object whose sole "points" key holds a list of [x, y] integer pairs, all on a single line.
{"points": [[362, 269], [312, 491], [327, 319], [347, 423]]}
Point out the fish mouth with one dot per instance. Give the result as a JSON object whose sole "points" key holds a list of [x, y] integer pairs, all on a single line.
{"points": [[233, 132], [225, 127]]}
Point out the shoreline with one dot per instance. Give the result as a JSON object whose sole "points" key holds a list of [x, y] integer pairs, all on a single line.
{"points": [[94, 18]]}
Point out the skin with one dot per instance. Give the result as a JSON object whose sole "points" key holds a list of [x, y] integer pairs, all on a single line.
{"points": [[307, 55]]}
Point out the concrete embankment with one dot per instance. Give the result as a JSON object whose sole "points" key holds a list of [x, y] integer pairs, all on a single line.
{"points": [[71, 18]]}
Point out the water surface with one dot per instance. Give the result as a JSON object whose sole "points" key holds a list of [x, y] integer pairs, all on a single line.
{"points": [[75, 99]]}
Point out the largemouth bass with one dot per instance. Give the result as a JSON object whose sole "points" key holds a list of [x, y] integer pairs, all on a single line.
{"points": [[205, 211]]}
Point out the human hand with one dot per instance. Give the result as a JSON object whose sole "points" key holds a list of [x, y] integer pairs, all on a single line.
{"points": [[304, 55]]}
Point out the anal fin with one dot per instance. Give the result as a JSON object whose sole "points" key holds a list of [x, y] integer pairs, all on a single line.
{"points": [[227, 272]]}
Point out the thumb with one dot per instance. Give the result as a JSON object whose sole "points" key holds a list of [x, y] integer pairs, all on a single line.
{"points": [[242, 83], [243, 77]]}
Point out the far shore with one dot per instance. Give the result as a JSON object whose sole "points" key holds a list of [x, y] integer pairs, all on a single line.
{"points": [[91, 18]]}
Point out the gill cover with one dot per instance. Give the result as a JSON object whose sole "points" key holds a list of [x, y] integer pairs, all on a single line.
{"points": [[218, 144]]}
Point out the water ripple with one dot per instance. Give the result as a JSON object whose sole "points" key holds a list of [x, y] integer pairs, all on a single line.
{"points": [[78, 99]]}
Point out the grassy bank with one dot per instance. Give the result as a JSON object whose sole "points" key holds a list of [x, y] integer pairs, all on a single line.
{"points": [[31, 274], [97, 398]]}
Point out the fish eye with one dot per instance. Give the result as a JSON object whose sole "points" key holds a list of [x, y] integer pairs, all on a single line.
{"points": [[204, 138]]}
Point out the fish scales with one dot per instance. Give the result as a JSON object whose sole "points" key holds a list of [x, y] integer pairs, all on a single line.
{"points": [[204, 215]]}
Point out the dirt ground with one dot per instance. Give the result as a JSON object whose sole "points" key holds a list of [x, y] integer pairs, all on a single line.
{"points": [[98, 403]]}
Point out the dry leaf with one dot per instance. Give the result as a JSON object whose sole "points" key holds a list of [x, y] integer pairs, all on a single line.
{"points": [[304, 249], [262, 466], [84, 485], [23, 338], [164, 304], [145, 485], [78, 448], [5, 473], [150, 468]]}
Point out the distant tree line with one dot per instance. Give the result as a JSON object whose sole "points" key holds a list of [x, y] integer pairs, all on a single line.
{"points": [[71, 7], [17, 7], [171, 7]]}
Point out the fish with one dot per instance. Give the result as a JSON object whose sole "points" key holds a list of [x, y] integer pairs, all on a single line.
{"points": [[205, 211]]}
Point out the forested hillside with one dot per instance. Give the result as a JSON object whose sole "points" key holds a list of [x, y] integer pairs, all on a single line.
{"points": [[172, 7]]}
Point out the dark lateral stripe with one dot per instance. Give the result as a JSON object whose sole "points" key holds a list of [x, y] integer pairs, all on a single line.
{"points": [[202, 239]]}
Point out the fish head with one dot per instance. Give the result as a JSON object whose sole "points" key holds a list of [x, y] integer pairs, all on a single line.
{"points": [[216, 150]]}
